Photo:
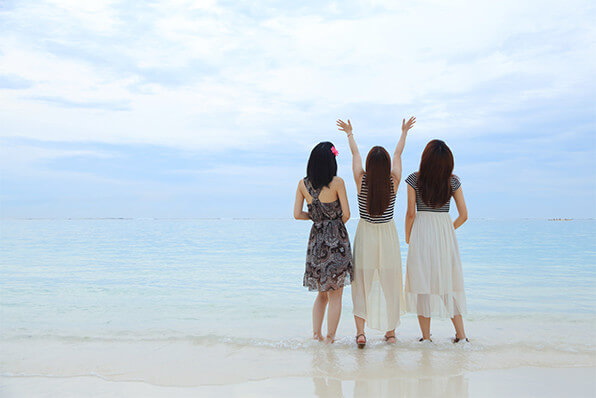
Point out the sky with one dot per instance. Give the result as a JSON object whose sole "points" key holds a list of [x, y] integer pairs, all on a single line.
{"points": [[211, 108]]}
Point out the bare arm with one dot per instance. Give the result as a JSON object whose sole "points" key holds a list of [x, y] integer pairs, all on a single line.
{"points": [[343, 200], [458, 196], [356, 159], [299, 213], [411, 212], [396, 168]]}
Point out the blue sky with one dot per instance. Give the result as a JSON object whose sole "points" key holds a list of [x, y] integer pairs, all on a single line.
{"points": [[211, 108]]}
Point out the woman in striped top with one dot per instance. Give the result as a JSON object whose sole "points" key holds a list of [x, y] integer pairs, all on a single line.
{"points": [[434, 278], [377, 286]]}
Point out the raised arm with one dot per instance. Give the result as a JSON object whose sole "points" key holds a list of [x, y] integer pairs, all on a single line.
{"points": [[458, 196], [396, 168], [356, 159], [299, 213]]}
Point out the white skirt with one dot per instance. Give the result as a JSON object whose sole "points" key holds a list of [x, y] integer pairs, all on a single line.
{"points": [[377, 287], [434, 277]]}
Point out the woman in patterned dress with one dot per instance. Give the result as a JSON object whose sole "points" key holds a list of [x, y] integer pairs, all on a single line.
{"points": [[328, 256]]}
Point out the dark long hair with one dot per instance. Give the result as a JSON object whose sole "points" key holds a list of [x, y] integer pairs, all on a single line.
{"points": [[322, 166], [378, 180], [434, 174]]}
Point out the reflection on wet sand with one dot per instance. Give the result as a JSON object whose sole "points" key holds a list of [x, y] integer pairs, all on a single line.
{"points": [[389, 376], [325, 362], [327, 387]]}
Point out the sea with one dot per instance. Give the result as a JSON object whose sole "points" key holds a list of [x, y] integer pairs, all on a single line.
{"points": [[95, 296]]}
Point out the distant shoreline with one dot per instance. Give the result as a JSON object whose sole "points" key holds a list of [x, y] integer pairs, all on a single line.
{"points": [[254, 219]]}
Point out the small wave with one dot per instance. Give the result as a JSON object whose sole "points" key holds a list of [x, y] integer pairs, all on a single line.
{"points": [[300, 343]]}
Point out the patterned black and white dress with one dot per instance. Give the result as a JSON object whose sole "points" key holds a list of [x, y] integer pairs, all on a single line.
{"points": [[329, 264]]}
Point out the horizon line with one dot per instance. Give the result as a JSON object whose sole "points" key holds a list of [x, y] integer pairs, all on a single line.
{"points": [[267, 218]]}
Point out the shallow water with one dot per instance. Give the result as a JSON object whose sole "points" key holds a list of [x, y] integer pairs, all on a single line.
{"points": [[230, 285]]}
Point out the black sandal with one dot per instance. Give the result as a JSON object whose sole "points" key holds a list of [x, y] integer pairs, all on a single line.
{"points": [[422, 339], [394, 337], [361, 345], [456, 340]]}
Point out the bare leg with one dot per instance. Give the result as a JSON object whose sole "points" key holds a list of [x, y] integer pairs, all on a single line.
{"points": [[318, 313], [360, 329], [424, 326], [334, 313], [458, 323], [390, 278]]}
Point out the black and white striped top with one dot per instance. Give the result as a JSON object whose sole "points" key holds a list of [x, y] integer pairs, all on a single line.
{"points": [[362, 196], [412, 181]]}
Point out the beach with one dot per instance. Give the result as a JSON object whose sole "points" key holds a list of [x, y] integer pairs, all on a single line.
{"points": [[190, 367], [523, 382], [216, 308]]}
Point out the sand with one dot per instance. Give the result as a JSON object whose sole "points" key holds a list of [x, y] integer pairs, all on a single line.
{"points": [[203, 367], [519, 382]]}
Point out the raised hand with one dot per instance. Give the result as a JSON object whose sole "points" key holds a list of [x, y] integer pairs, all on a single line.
{"points": [[405, 127], [396, 168], [345, 127]]}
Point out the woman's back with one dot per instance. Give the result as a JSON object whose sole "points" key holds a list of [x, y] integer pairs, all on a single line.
{"points": [[412, 181], [321, 208], [386, 216]]}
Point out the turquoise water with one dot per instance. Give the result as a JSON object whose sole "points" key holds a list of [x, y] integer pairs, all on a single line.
{"points": [[120, 277]]}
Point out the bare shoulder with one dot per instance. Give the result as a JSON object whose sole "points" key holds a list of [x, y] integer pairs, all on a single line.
{"points": [[337, 182], [301, 185]]}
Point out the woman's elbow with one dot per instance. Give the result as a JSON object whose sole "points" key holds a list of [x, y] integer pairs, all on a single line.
{"points": [[297, 215], [464, 216]]}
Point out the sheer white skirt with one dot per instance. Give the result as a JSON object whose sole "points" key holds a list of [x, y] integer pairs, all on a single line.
{"points": [[434, 277], [377, 287]]}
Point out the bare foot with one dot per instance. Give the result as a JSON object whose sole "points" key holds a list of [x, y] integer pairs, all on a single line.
{"points": [[330, 339], [317, 336]]}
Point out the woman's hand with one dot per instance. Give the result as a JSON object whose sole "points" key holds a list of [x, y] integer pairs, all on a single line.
{"points": [[405, 127], [345, 127]]}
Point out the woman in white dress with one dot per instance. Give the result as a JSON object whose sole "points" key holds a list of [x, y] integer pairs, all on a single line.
{"points": [[377, 286], [434, 277]]}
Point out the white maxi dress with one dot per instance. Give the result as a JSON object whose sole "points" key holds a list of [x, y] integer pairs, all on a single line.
{"points": [[434, 277], [377, 292]]}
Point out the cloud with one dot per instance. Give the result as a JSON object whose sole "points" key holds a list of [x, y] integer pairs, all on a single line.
{"points": [[111, 105], [13, 82], [258, 83], [226, 67]]}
